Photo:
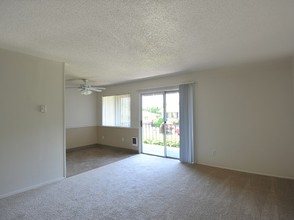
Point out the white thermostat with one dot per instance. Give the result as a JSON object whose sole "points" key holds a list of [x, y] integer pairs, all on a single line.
{"points": [[43, 108]]}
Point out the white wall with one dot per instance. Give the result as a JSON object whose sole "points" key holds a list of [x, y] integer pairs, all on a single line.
{"points": [[81, 118], [244, 113], [117, 137], [81, 110], [31, 143], [82, 136]]}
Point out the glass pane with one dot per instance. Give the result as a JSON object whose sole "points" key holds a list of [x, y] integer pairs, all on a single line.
{"points": [[108, 113], [172, 125], [152, 124]]}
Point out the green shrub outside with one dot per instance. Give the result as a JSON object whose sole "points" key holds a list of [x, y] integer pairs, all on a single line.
{"points": [[158, 142]]}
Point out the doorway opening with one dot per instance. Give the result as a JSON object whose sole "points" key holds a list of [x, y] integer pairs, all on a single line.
{"points": [[160, 124]]}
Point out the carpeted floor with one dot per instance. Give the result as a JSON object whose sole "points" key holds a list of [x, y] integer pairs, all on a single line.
{"points": [[79, 160], [147, 187]]}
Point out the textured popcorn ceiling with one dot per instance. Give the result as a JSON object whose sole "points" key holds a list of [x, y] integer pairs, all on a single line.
{"points": [[114, 41]]}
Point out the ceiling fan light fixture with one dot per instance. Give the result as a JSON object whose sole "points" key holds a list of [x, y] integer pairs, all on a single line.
{"points": [[86, 92], [85, 88]]}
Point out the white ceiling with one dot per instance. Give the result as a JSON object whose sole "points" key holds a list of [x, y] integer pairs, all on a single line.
{"points": [[113, 41]]}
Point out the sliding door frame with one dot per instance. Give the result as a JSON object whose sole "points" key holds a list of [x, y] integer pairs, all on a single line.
{"points": [[162, 92]]}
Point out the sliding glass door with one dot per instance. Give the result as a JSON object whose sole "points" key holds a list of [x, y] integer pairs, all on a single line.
{"points": [[160, 124]]}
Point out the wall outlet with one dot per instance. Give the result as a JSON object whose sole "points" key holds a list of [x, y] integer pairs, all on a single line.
{"points": [[122, 139], [213, 152], [102, 137]]}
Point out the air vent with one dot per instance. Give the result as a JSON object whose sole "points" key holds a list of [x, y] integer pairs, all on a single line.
{"points": [[135, 141]]}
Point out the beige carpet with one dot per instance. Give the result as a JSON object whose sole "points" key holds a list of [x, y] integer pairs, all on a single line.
{"points": [[146, 187], [79, 160]]}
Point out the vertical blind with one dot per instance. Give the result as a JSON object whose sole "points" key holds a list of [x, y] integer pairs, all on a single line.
{"points": [[186, 123], [116, 111]]}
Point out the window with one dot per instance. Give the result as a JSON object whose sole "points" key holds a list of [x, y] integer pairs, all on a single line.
{"points": [[116, 111]]}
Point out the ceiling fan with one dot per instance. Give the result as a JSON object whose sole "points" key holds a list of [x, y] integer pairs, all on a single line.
{"points": [[86, 88]]}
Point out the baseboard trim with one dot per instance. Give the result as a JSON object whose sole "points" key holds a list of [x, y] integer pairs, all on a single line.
{"points": [[31, 187], [81, 126], [101, 145], [133, 151], [246, 171], [81, 147]]}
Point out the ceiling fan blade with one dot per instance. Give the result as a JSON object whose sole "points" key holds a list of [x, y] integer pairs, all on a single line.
{"points": [[95, 90], [84, 87]]}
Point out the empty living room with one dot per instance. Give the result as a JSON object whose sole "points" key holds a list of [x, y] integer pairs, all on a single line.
{"points": [[147, 109]]}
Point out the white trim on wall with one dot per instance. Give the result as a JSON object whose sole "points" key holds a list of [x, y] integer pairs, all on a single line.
{"points": [[31, 187], [246, 171]]}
